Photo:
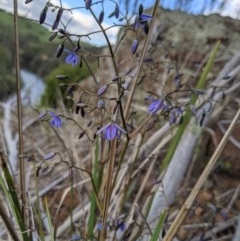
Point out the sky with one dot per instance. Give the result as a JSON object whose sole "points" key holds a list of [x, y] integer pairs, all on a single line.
{"points": [[83, 23]]}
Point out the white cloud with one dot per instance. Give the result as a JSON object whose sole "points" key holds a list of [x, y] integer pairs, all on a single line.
{"points": [[232, 9], [78, 22]]}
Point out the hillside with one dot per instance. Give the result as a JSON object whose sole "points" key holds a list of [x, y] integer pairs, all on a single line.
{"points": [[37, 53]]}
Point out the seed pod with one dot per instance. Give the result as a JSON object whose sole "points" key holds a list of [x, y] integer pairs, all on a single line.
{"points": [[80, 62], [60, 50], [77, 109], [53, 36], [115, 79], [43, 15], [78, 47], [58, 18], [116, 11], [134, 46], [80, 108], [89, 123], [28, 1], [140, 9], [81, 135], [147, 60], [145, 28], [88, 4], [82, 112], [101, 17]]}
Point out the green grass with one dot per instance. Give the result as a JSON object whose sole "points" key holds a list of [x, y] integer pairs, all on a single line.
{"points": [[26, 27]]}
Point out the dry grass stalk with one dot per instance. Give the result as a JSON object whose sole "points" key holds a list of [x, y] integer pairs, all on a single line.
{"points": [[188, 203]]}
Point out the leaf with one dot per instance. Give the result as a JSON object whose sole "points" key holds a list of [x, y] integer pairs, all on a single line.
{"points": [[159, 227]]}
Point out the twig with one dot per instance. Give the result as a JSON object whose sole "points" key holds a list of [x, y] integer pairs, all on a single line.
{"points": [[19, 110], [218, 228], [234, 198], [236, 237]]}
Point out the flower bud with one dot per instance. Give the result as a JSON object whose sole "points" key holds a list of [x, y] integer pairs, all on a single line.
{"points": [[111, 14], [81, 135], [58, 18], [102, 90], [116, 11], [60, 50], [43, 15], [134, 46], [28, 1], [53, 36], [116, 79], [146, 28], [101, 17], [101, 104], [88, 4], [140, 9], [49, 156], [147, 60]]}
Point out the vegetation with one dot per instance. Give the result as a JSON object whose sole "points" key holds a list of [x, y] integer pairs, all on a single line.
{"points": [[55, 91], [111, 167], [37, 54]]}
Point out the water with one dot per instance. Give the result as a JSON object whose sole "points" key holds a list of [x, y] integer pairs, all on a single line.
{"points": [[33, 87], [31, 94]]}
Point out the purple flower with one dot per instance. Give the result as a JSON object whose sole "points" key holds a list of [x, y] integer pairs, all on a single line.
{"points": [[56, 120], [99, 225], [72, 58], [101, 104], [156, 105], [120, 225], [141, 21], [134, 46], [111, 131], [174, 114]]}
